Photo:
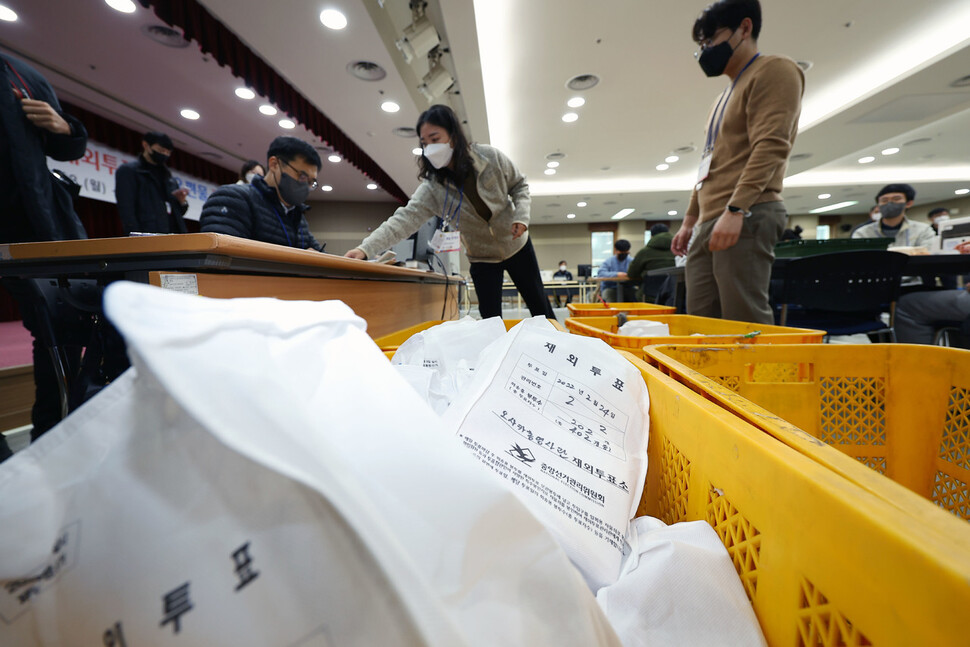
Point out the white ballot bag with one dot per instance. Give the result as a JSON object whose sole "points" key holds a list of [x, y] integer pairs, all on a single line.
{"points": [[564, 419], [263, 477]]}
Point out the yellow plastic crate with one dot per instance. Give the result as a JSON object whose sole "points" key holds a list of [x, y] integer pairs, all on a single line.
{"points": [[898, 410], [390, 343], [599, 309], [823, 561], [685, 329]]}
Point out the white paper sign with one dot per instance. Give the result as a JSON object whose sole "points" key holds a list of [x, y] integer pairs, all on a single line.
{"points": [[445, 241], [95, 172], [187, 283]]}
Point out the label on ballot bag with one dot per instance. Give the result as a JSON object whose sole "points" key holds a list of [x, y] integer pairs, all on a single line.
{"points": [[564, 420], [445, 241]]}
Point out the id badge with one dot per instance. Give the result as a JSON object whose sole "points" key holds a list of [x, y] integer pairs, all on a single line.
{"points": [[445, 241], [705, 168]]}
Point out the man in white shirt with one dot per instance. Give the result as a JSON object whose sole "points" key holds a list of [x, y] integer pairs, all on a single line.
{"points": [[893, 201]]}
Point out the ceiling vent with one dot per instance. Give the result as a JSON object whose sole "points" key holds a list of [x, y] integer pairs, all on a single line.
{"points": [[913, 107], [805, 65], [962, 82], [683, 150], [582, 82], [555, 156], [404, 131], [164, 36], [921, 140], [799, 157], [366, 71]]}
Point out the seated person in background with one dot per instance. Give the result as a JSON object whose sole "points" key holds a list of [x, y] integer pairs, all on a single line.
{"points": [[250, 170], [919, 314], [616, 265], [563, 273], [936, 216], [149, 198], [271, 209], [654, 255], [792, 234], [893, 200]]}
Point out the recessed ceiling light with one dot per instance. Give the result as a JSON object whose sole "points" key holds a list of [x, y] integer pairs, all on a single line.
{"points": [[580, 204], [390, 106], [552, 164], [576, 102], [245, 93], [670, 159], [890, 151], [371, 186], [550, 171], [417, 150], [124, 6], [663, 167], [9, 15], [268, 109], [962, 191], [621, 214], [366, 71], [189, 113], [570, 215], [333, 19], [672, 212], [867, 159], [570, 117], [287, 123], [326, 187], [335, 158], [824, 196]]}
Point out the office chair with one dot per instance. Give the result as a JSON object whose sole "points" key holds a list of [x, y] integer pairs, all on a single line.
{"points": [[843, 293], [955, 334]]}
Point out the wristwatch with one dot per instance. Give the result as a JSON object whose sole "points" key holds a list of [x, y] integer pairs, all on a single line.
{"points": [[734, 209]]}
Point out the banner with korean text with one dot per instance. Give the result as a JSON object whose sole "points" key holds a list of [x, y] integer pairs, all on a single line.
{"points": [[95, 172]]}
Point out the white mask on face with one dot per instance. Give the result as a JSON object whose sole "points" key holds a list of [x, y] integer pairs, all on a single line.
{"points": [[249, 177], [438, 154], [562, 268]]}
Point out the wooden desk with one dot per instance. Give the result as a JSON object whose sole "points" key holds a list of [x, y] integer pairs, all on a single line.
{"points": [[389, 298]]}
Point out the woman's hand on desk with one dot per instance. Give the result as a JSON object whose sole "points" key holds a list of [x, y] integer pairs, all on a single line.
{"points": [[356, 253]]}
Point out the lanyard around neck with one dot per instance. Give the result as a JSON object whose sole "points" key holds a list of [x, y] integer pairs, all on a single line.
{"points": [[451, 211], [713, 132], [25, 88]]}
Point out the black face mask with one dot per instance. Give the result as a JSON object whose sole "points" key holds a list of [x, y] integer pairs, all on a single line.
{"points": [[714, 60], [159, 158], [293, 192], [892, 210]]}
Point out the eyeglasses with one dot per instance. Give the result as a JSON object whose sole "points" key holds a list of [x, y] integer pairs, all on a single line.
{"points": [[303, 177], [706, 43]]}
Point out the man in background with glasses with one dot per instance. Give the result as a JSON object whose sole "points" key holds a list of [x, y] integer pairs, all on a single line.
{"points": [[736, 203], [271, 209]]}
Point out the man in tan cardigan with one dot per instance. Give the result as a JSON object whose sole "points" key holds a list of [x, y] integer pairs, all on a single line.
{"points": [[736, 203]]}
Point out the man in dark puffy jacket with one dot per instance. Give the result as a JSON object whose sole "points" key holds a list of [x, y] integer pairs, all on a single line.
{"points": [[149, 198], [271, 209], [655, 255]]}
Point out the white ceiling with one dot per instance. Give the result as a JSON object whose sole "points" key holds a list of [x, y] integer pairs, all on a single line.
{"points": [[881, 77]]}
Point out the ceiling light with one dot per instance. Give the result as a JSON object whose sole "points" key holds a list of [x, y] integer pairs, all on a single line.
{"points": [[890, 151], [267, 109], [833, 207], [962, 191], [621, 214], [390, 106], [9, 15], [417, 150], [124, 6], [671, 159], [570, 117], [580, 204], [245, 93], [867, 159], [326, 187], [188, 113], [371, 187], [672, 212], [550, 171], [570, 215], [824, 196], [576, 102], [333, 19], [435, 83], [335, 158], [419, 39], [287, 123], [552, 164], [663, 167]]}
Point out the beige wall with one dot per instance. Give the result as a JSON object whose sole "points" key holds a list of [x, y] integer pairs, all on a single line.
{"points": [[342, 225]]}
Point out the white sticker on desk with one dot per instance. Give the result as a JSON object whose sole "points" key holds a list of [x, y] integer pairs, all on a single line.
{"points": [[188, 283], [5, 253]]}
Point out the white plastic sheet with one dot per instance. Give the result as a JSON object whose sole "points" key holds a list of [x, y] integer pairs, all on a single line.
{"points": [[262, 476]]}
